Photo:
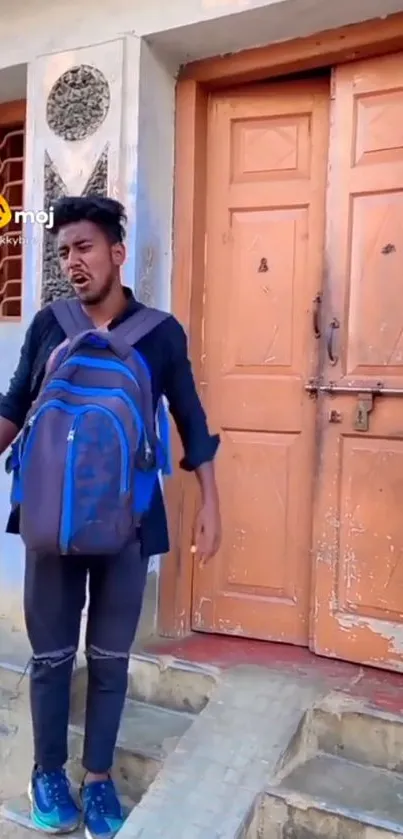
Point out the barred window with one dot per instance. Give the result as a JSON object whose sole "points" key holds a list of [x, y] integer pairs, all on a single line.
{"points": [[12, 118]]}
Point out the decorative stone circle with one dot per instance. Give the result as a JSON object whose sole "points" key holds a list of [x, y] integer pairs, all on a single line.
{"points": [[78, 103]]}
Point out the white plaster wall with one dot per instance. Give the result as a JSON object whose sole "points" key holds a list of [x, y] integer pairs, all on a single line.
{"points": [[183, 29], [119, 60], [74, 161], [13, 81], [153, 215], [11, 556], [139, 130], [155, 180]]}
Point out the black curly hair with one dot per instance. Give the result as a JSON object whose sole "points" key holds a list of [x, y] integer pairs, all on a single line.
{"points": [[109, 215]]}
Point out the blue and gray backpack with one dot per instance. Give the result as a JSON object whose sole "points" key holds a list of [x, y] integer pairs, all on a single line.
{"points": [[86, 463]]}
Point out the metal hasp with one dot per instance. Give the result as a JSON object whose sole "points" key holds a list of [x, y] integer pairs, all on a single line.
{"points": [[365, 398], [364, 407]]}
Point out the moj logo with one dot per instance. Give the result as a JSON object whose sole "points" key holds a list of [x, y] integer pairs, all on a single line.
{"points": [[7, 216]]}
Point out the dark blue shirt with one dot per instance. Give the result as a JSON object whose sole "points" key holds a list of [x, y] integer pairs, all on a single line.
{"points": [[165, 351]]}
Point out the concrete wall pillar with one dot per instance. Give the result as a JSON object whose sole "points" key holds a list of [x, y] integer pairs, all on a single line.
{"points": [[99, 119]]}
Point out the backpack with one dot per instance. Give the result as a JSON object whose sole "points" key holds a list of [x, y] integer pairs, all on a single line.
{"points": [[87, 461]]}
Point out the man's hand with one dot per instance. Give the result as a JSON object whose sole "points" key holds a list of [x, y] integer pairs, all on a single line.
{"points": [[207, 530]]}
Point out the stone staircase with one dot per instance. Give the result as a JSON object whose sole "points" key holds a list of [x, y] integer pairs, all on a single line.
{"points": [[343, 777], [247, 753], [164, 698]]}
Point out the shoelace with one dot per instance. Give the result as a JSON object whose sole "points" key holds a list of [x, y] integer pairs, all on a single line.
{"points": [[102, 799], [57, 786]]}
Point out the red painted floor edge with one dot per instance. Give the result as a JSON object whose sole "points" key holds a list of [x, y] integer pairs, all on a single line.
{"points": [[379, 688]]}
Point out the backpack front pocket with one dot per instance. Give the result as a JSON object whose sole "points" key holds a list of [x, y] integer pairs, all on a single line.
{"points": [[97, 515]]}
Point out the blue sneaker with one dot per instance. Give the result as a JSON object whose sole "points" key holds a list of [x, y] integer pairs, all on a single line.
{"points": [[52, 806], [102, 811]]}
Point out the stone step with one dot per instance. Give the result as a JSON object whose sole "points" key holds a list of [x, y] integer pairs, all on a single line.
{"points": [[328, 797], [347, 727], [158, 680], [147, 735], [171, 683]]}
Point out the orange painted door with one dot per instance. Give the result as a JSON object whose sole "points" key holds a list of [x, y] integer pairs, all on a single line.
{"points": [[358, 589], [267, 165]]}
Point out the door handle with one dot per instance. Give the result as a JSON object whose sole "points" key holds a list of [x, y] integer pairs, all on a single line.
{"points": [[316, 315], [333, 325]]}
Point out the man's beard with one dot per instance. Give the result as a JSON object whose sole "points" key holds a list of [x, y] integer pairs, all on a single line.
{"points": [[95, 298]]}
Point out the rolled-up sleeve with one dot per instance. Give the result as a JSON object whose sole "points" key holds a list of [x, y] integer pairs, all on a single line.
{"points": [[179, 387], [15, 404]]}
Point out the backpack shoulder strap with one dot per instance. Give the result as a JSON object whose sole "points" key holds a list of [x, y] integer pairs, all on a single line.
{"points": [[71, 316], [139, 324], [73, 320]]}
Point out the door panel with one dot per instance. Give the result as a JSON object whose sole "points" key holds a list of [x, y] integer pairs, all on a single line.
{"points": [[267, 163], [358, 608]]}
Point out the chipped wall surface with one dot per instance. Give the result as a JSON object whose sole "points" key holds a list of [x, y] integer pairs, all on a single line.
{"points": [[100, 117]]}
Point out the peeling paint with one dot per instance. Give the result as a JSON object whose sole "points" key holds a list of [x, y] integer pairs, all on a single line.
{"points": [[390, 632]]}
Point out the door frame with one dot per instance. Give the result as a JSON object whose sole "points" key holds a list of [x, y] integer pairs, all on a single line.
{"points": [[195, 82], [14, 111]]}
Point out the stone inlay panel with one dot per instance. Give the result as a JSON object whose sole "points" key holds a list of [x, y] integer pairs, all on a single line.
{"points": [[53, 284]]}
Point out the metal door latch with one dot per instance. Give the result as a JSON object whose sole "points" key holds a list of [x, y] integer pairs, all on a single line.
{"points": [[364, 407]]}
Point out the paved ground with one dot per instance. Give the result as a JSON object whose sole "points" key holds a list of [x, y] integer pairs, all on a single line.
{"points": [[209, 783], [207, 787], [15, 754], [13, 831]]}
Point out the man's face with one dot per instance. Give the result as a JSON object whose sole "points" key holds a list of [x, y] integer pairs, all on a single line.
{"points": [[89, 261]]}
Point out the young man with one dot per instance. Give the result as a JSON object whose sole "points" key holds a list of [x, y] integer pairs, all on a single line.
{"points": [[90, 235]]}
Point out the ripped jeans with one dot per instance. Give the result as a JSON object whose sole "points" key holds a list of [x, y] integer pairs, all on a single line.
{"points": [[54, 598]]}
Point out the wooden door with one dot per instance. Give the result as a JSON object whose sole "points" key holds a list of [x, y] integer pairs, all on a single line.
{"points": [[358, 597], [267, 164]]}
